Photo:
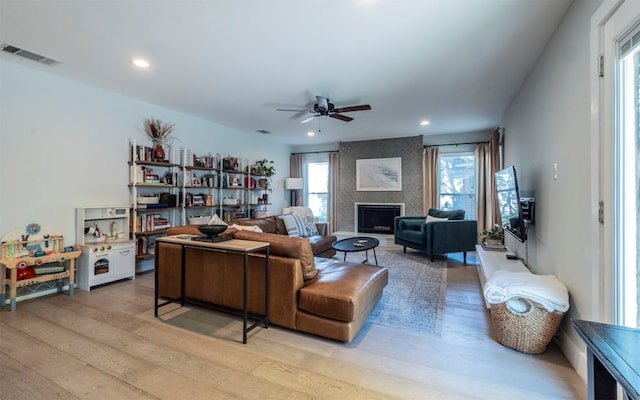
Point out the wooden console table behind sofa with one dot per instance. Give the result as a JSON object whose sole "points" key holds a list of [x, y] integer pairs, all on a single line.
{"points": [[243, 247]]}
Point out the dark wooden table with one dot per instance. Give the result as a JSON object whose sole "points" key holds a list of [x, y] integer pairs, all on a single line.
{"points": [[613, 355], [357, 244]]}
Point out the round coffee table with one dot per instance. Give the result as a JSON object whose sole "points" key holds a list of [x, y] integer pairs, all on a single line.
{"points": [[355, 244]]}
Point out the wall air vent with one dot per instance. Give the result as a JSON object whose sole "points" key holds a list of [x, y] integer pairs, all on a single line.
{"points": [[28, 54]]}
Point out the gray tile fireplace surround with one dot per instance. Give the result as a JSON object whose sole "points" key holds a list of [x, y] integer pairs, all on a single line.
{"points": [[409, 149]]}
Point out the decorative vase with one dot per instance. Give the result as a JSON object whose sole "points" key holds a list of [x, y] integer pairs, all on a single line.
{"points": [[158, 153], [493, 242]]}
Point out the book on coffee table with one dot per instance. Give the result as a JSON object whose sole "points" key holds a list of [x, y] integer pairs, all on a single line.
{"points": [[493, 247]]}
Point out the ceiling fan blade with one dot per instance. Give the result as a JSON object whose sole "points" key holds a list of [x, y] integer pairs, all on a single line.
{"points": [[341, 117], [286, 109], [363, 107], [304, 121]]}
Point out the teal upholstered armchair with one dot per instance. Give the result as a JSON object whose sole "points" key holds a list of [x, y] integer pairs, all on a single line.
{"points": [[448, 232]]}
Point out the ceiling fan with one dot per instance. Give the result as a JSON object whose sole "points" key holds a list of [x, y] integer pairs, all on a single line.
{"points": [[324, 108]]}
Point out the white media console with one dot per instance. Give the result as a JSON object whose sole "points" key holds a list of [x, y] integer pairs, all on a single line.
{"points": [[492, 261]]}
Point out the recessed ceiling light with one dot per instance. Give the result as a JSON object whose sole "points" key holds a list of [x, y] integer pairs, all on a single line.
{"points": [[311, 133], [424, 122], [139, 62]]}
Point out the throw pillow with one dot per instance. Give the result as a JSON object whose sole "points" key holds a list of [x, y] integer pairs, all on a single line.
{"points": [[215, 220], [309, 226], [294, 225], [252, 228], [431, 218]]}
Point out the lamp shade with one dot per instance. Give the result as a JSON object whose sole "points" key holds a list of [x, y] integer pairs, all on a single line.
{"points": [[293, 183]]}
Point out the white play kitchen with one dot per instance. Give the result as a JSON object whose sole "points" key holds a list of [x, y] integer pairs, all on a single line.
{"points": [[108, 254]]}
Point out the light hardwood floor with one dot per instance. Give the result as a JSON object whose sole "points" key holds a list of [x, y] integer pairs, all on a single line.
{"points": [[106, 344]]}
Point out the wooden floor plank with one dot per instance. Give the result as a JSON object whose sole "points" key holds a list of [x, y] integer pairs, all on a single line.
{"points": [[107, 344], [20, 382]]}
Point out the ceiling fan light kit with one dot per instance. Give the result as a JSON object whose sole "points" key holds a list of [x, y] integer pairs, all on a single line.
{"points": [[324, 108]]}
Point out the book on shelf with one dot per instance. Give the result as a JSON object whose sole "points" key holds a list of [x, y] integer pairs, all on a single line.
{"points": [[493, 247], [160, 227], [153, 205], [155, 222]]}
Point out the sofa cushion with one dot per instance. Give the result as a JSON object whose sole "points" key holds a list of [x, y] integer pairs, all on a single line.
{"points": [[321, 244], [184, 230], [342, 290], [410, 224], [285, 246], [281, 229], [452, 215], [410, 235]]}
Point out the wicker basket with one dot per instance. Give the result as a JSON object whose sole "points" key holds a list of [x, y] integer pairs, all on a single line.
{"points": [[528, 332]]}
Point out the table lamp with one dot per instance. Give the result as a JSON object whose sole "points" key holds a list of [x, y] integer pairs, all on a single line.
{"points": [[293, 184]]}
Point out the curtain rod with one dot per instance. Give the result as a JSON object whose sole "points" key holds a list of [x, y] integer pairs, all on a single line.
{"points": [[454, 144], [316, 152]]}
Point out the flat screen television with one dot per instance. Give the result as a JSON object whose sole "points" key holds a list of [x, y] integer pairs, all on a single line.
{"points": [[510, 204]]}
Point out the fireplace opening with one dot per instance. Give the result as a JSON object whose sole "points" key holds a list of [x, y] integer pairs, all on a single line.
{"points": [[377, 218]]}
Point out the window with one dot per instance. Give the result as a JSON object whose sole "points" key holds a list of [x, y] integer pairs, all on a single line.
{"points": [[316, 188], [457, 183]]}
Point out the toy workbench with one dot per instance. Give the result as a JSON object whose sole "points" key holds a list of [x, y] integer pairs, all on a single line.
{"points": [[32, 259]]}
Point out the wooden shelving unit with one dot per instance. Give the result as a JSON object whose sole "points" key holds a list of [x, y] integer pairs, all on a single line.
{"points": [[199, 185], [157, 180]]}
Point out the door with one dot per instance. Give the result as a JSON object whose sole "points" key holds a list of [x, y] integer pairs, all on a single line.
{"points": [[620, 135]]}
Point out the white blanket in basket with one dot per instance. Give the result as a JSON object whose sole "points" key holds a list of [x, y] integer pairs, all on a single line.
{"points": [[545, 290]]}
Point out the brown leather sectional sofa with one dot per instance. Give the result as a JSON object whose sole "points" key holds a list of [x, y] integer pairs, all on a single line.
{"points": [[321, 296]]}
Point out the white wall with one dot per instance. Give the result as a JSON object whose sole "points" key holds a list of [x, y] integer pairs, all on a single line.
{"points": [[549, 122], [64, 145]]}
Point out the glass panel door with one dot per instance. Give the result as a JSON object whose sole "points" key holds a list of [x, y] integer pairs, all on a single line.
{"points": [[627, 167]]}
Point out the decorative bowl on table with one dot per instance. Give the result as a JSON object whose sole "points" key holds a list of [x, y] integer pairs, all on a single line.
{"points": [[212, 230]]}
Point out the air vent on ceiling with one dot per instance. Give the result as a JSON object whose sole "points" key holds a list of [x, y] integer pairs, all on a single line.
{"points": [[264, 131], [28, 54]]}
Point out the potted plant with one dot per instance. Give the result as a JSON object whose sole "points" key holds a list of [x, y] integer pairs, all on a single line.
{"points": [[493, 236], [265, 168], [159, 133]]}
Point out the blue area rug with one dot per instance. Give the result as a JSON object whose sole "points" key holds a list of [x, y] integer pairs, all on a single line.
{"points": [[415, 296]]}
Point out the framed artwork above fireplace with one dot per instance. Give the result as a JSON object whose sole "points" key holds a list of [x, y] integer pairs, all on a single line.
{"points": [[379, 174]]}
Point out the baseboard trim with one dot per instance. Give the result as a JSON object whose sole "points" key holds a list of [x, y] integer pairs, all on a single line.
{"points": [[574, 350]]}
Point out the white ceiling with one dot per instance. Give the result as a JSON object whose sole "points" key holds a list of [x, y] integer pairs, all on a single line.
{"points": [[457, 63]]}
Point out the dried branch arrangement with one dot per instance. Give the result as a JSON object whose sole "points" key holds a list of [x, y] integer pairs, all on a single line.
{"points": [[158, 132]]}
